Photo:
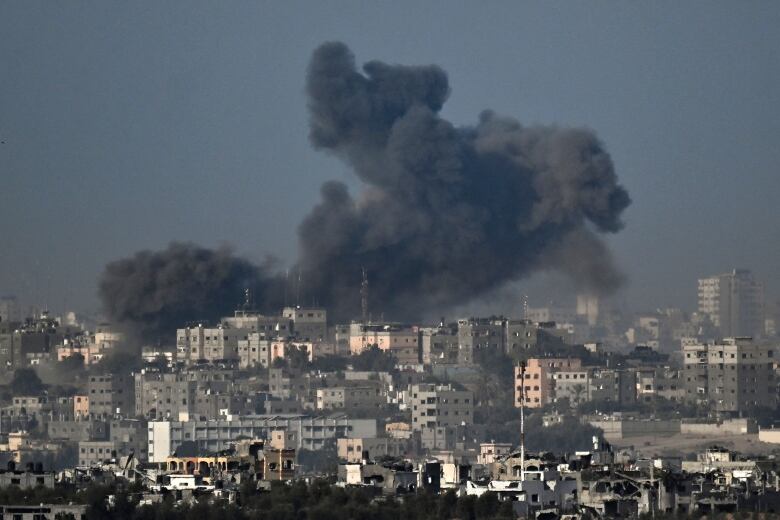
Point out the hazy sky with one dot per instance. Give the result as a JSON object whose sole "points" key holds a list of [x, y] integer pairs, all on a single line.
{"points": [[130, 124]]}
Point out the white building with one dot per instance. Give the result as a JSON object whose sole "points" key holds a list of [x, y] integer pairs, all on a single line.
{"points": [[311, 432], [734, 302]]}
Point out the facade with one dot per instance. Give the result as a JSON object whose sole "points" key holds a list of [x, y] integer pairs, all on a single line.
{"points": [[733, 375], [400, 341], [110, 395], [210, 436], [354, 450], [539, 382], [440, 406], [209, 344], [734, 303], [308, 324], [350, 397], [615, 386], [479, 333], [164, 395], [440, 346]]}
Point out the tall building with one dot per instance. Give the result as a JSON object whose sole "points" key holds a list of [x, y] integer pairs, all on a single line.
{"points": [[588, 306], [734, 303], [436, 406], [732, 375], [9, 309]]}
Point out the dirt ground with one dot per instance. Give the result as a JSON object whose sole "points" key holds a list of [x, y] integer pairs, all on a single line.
{"points": [[683, 445]]}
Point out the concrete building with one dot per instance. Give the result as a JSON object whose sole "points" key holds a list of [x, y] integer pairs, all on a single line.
{"points": [[210, 436], [734, 303], [615, 386], [111, 395], [440, 406], [522, 335], [401, 341], [308, 324], [10, 311], [479, 333], [351, 397], [354, 450], [732, 375], [539, 383], [440, 346], [490, 452], [571, 385], [210, 344], [164, 395]]}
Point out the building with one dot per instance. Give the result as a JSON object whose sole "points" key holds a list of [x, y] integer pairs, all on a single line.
{"points": [[351, 397], [401, 341], [479, 333], [308, 324], [523, 335], [354, 450], [613, 386], [440, 406], [732, 375], [10, 311], [490, 452], [209, 344], [440, 346], [211, 436], [539, 383], [734, 302], [571, 385], [110, 395]]}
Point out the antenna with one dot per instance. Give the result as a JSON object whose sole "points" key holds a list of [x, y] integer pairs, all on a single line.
{"points": [[286, 284], [364, 295], [525, 306], [522, 421], [298, 290], [247, 299]]}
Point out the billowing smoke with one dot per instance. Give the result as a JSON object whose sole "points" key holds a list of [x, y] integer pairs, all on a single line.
{"points": [[446, 214], [449, 213], [154, 292]]}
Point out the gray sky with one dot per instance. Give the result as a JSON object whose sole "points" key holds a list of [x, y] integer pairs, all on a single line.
{"points": [[130, 124]]}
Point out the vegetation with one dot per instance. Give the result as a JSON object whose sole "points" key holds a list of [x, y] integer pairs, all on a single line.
{"points": [[374, 359], [320, 500]]}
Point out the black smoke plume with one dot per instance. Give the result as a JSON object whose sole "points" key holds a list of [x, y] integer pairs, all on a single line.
{"points": [[154, 292], [447, 214]]}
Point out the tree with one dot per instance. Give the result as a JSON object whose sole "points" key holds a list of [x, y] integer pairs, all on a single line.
{"points": [[26, 382], [374, 359]]}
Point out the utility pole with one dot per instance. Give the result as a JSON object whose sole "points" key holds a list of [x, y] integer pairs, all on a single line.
{"points": [[522, 421]]}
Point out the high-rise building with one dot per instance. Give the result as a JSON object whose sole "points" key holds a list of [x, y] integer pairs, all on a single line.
{"points": [[732, 375], [734, 303], [9, 309]]}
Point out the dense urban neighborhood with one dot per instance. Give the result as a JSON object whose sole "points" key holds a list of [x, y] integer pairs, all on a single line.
{"points": [[580, 410]]}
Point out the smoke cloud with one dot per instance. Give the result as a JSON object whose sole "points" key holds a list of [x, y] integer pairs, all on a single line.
{"points": [[154, 292], [447, 213]]}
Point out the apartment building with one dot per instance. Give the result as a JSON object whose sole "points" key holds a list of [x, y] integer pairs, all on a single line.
{"points": [[732, 375], [311, 432], [110, 395], [308, 324], [734, 302], [399, 340], [440, 406], [539, 383], [351, 397], [441, 346]]}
